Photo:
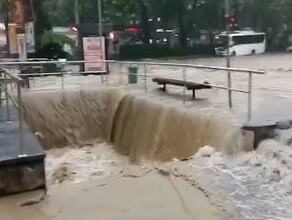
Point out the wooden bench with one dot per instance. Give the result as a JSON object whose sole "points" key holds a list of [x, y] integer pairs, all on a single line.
{"points": [[188, 85]]}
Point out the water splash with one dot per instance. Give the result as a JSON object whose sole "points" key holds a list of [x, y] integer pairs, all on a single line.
{"points": [[137, 126]]}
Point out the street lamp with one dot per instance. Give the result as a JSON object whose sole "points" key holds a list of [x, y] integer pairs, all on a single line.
{"points": [[76, 11]]}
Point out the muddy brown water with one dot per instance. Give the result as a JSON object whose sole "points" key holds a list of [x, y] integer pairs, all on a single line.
{"points": [[60, 119], [138, 127]]}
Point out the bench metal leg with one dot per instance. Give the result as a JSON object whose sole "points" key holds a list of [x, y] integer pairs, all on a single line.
{"points": [[164, 88], [194, 94]]}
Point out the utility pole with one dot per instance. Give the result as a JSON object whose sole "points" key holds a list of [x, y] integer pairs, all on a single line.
{"points": [[100, 28], [227, 26], [79, 35], [77, 18], [6, 22]]}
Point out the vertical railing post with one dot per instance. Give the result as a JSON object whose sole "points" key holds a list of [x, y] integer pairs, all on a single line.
{"points": [[1, 89], [184, 77], [120, 73], [145, 77], [62, 75], [229, 90], [7, 99], [20, 115], [102, 77], [249, 95], [107, 73]]}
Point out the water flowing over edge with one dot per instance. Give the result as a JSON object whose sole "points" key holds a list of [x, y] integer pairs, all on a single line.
{"points": [[137, 126]]}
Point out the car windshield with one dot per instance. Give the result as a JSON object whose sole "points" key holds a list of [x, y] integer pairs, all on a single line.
{"points": [[221, 41]]}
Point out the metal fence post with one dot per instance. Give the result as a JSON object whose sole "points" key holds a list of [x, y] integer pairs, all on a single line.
{"points": [[184, 88], [20, 115], [249, 95], [62, 76], [102, 78], [107, 80], [120, 74], [145, 77], [1, 88], [107, 74], [229, 90], [7, 99]]}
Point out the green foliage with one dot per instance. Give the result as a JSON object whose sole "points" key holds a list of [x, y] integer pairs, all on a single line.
{"points": [[115, 10], [183, 14], [61, 39], [61, 13], [41, 21]]}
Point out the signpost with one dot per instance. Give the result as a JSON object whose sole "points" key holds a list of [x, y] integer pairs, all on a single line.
{"points": [[12, 35], [100, 28], [21, 47], [29, 35], [94, 54]]}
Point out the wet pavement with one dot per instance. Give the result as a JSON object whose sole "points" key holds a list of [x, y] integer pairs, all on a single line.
{"points": [[10, 139], [257, 185]]}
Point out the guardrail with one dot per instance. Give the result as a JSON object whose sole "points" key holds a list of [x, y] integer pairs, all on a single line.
{"points": [[8, 78], [19, 78], [183, 67]]}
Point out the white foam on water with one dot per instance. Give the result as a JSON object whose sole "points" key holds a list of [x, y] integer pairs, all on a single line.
{"points": [[77, 164], [255, 185]]}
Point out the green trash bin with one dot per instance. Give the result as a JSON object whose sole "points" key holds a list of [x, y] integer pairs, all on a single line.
{"points": [[132, 74]]}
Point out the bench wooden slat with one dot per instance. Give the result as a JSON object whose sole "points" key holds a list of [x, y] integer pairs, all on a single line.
{"points": [[189, 85]]}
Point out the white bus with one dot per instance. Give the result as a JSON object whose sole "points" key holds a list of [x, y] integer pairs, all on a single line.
{"points": [[240, 43]]}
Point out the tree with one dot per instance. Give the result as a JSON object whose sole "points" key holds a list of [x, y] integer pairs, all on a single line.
{"points": [[41, 21], [4, 9], [35, 13], [49, 37], [62, 12], [117, 11]]}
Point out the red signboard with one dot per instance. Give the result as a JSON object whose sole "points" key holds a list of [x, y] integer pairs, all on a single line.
{"points": [[16, 15]]}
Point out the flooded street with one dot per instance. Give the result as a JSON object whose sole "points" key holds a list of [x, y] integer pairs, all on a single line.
{"points": [[91, 180], [271, 87]]}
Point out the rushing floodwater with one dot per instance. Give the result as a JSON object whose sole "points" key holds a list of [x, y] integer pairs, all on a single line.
{"points": [[253, 185]]}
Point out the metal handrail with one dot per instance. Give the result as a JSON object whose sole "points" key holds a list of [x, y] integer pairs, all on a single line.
{"points": [[137, 63], [14, 79], [5, 72], [145, 64], [143, 75], [18, 79]]}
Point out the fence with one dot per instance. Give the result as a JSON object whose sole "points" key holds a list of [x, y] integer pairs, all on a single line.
{"points": [[5, 79], [17, 78]]}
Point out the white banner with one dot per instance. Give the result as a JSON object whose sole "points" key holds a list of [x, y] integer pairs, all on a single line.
{"points": [[94, 51], [21, 47], [30, 39]]}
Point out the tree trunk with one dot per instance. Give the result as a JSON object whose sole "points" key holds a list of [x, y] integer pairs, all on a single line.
{"points": [[33, 22], [6, 23], [144, 22], [180, 20]]}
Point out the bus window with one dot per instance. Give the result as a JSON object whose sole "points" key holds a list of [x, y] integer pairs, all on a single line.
{"points": [[248, 39]]}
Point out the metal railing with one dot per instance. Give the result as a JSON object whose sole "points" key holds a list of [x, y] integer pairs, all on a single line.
{"points": [[62, 73], [183, 67], [8, 78]]}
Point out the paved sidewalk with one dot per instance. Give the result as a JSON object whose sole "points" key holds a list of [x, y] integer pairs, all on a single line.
{"points": [[152, 196]]}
